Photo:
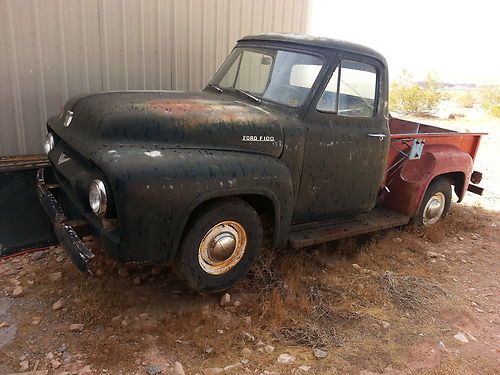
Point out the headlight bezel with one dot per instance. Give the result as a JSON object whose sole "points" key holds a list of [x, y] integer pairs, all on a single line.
{"points": [[98, 199], [49, 143]]}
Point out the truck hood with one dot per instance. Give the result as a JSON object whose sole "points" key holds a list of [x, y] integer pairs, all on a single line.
{"points": [[167, 119]]}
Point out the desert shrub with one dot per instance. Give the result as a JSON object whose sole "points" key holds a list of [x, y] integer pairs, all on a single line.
{"points": [[490, 100], [495, 110], [409, 98], [467, 99]]}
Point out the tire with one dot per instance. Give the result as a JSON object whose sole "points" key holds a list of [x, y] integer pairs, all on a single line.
{"points": [[439, 195], [202, 260]]}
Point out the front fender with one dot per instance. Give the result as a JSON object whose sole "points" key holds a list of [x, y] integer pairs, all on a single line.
{"points": [[408, 187], [156, 191]]}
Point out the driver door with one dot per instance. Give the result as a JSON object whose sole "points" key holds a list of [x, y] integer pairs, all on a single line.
{"points": [[347, 140]]}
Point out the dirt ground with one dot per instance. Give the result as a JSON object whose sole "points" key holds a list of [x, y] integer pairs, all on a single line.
{"points": [[404, 301]]}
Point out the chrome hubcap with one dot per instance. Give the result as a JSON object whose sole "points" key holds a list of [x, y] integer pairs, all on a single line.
{"points": [[434, 209], [222, 247]]}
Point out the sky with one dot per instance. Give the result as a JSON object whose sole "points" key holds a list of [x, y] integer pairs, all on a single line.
{"points": [[457, 40]]}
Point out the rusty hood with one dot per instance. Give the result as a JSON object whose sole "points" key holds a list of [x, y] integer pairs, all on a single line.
{"points": [[162, 120]]}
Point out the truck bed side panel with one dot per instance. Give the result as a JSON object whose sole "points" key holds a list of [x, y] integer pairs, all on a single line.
{"points": [[445, 152], [407, 184]]}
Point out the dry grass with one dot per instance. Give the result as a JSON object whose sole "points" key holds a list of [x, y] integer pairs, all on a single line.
{"points": [[313, 297], [467, 219], [297, 300], [307, 335], [410, 293]]}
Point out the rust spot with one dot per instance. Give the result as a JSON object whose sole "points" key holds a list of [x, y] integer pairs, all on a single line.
{"points": [[207, 110], [178, 108]]}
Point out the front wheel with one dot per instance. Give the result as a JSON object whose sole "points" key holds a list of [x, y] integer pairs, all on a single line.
{"points": [[219, 246], [436, 202]]}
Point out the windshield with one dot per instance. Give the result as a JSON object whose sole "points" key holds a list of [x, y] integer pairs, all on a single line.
{"points": [[276, 75]]}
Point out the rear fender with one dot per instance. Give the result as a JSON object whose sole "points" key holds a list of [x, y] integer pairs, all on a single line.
{"points": [[408, 186]]}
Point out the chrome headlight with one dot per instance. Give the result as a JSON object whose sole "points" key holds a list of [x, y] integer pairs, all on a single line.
{"points": [[97, 197], [49, 143]]}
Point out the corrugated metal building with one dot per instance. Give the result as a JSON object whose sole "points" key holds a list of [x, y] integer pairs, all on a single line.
{"points": [[54, 49]]}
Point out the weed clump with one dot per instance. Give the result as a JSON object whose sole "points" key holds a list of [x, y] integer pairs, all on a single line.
{"points": [[410, 293]]}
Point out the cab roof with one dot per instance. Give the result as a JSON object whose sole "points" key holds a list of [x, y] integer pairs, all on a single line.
{"points": [[315, 41]]}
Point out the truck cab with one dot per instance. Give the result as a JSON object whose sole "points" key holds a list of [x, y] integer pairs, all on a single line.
{"points": [[338, 98], [292, 133]]}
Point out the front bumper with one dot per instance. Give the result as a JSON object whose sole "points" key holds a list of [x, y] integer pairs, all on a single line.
{"points": [[78, 252]]}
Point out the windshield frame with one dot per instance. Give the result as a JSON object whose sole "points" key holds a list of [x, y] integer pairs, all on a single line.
{"points": [[274, 48]]}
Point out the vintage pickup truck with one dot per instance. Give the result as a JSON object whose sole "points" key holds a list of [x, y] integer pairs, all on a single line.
{"points": [[292, 134]]}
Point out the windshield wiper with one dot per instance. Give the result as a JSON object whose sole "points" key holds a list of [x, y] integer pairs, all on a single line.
{"points": [[250, 95], [215, 87]]}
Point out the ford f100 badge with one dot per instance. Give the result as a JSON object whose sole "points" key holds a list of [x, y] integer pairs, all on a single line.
{"points": [[257, 138]]}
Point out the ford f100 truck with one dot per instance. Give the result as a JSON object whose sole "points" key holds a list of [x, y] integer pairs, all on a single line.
{"points": [[292, 134]]}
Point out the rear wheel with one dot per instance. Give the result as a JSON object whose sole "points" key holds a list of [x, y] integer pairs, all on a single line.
{"points": [[219, 246], [436, 202]]}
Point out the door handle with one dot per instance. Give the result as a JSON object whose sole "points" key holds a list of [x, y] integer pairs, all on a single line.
{"points": [[379, 136]]}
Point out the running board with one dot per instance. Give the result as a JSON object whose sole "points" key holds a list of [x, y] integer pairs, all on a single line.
{"points": [[378, 219]]}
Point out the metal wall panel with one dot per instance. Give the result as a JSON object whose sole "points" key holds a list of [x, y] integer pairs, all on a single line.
{"points": [[54, 49]]}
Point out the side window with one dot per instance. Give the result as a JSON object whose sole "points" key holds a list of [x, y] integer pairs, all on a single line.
{"points": [[351, 91]]}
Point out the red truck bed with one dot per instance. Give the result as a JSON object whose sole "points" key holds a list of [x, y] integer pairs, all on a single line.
{"points": [[445, 152], [404, 130]]}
